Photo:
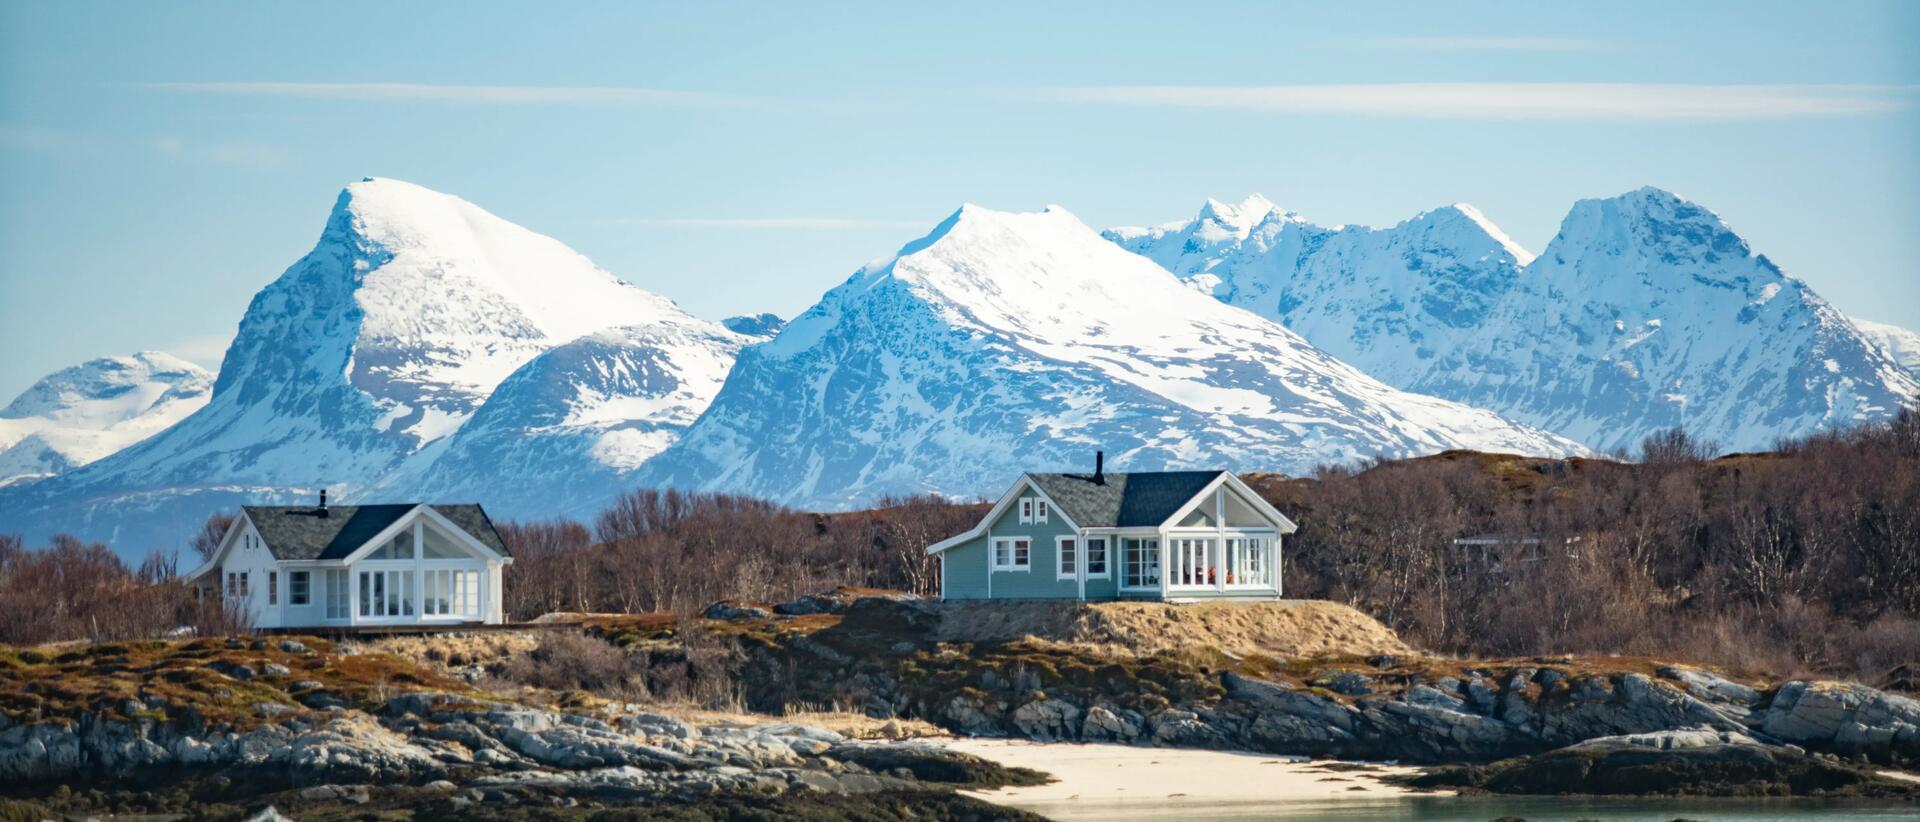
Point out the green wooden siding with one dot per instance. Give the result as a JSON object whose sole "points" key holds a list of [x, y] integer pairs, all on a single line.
{"points": [[1040, 580]]}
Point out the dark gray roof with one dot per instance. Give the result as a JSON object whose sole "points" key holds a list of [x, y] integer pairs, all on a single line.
{"points": [[306, 532], [1139, 499]]}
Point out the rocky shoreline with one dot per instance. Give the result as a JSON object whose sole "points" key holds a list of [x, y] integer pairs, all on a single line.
{"points": [[227, 727], [1384, 708], [315, 748]]}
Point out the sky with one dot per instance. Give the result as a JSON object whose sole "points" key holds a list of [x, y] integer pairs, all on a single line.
{"points": [[161, 162]]}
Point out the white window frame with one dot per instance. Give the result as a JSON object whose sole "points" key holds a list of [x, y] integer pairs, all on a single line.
{"points": [[1040, 510], [273, 587], [1106, 557], [1015, 547], [1064, 545], [339, 596], [299, 587], [1026, 510]]}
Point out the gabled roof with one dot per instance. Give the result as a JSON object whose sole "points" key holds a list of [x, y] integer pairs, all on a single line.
{"points": [[301, 532], [1144, 499]]}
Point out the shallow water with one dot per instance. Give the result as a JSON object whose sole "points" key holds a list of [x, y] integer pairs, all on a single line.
{"points": [[1479, 809]]}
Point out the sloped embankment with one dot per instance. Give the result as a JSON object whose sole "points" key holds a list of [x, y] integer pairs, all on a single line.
{"points": [[1298, 628]]}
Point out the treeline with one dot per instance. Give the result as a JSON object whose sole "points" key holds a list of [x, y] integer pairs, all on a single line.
{"points": [[672, 551], [1801, 560], [76, 590]]}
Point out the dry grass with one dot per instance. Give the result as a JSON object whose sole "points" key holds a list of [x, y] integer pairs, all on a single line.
{"points": [[1289, 629], [850, 724], [117, 678], [451, 650]]}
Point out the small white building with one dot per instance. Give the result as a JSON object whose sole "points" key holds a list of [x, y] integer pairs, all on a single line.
{"points": [[360, 565]]}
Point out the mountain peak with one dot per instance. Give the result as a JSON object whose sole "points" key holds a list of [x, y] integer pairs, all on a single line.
{"points": [[1242, 216], [1655, 225], [1471, 220]]}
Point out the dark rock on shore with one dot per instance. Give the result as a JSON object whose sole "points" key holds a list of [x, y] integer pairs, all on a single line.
{"points": [[1684, 763]]}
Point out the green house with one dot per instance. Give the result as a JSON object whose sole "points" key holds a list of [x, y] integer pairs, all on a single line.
{"points": [[1157, 535]]}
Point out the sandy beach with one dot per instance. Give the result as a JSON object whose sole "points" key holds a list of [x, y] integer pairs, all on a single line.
{"points": [[1134, 782]]}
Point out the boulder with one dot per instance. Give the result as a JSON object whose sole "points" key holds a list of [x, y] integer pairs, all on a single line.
{"points": [[732, 612]]}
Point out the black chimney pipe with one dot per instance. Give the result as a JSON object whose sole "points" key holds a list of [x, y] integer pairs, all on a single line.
{"points": [[1099, 468], [323, 502]]}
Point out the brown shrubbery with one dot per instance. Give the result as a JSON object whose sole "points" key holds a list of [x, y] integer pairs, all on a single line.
{"points": [[73, 590], [1804, 560], [670, 551]]}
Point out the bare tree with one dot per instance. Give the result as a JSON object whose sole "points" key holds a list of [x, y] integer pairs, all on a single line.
{"points": [[207, 540]]}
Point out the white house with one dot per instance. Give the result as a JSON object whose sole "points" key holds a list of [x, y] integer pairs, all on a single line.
{"points": [[360, 565], [1158, 535]]}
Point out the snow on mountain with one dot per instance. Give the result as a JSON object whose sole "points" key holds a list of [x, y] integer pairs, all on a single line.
{"points": [[561, 435], [386, 336], [1003, 343], [79, 414], [1645, 312], [1901, 345], [1386, 300]]}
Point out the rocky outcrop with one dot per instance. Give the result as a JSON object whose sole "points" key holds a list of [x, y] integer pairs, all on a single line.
{"points": [[1696, 761], [1388, 707], [491, 750]]}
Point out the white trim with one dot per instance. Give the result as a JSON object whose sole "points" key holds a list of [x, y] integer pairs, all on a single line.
{"points": [[406, 520], [1026, 509], [1059, 556], [999, 508], [1247, 494], [1041, 506]]}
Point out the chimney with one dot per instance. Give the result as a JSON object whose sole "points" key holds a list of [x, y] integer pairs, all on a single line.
{"points": [[323, 502], [1099, 468]]}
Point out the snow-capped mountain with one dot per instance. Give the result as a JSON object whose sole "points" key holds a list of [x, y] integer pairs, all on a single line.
{"points": [[561, 436], [79, 414], [1645, 312], [386, 336], [1902, 345], [1003, 343], [1386, 300]]}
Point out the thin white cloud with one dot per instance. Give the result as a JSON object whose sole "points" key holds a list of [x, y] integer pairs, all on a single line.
{"points": [[466, 94], [1503, 101], [1535, 44], [250, 156], [749, 223]]}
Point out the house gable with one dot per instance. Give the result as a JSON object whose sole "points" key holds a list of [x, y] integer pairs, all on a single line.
{"points": [[438, 521], [241, 525]]}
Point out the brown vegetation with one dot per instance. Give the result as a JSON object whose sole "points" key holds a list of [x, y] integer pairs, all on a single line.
{"points": [[170, 680], [1802, 561], [73, 590], [1127, 629], [676, 552]]}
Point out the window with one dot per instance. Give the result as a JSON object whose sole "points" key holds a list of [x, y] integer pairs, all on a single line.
{"points": [[299, 588], [1142, 563], [1011, 554], [436, 545], [386, 593], [233, 584], [400, 547], [337, 594], [243, 583], [273, 587], [1040, 511], [1097, 558], [1066, 558], [1026, 510], [1193, 561]]}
